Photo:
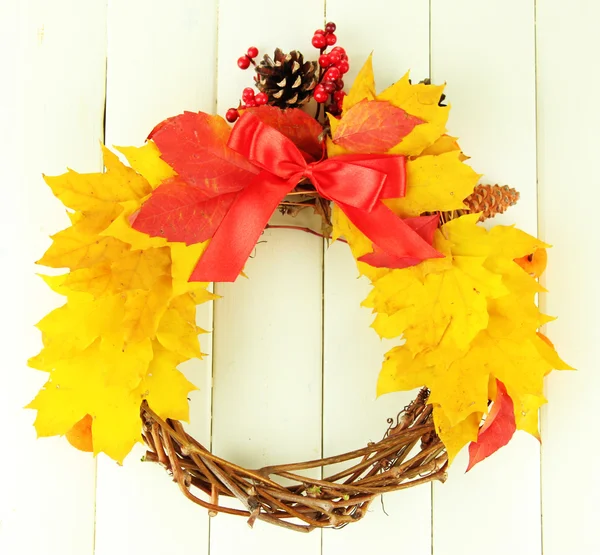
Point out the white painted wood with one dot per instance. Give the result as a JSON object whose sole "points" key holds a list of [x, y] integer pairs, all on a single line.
{"points": [[52, 59], [398, 35], [485, 51], [568, 119], [269, 341], [161, 61], [267, 380]]}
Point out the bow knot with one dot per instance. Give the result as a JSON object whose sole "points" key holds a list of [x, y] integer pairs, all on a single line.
{"points": [[357, 183]]}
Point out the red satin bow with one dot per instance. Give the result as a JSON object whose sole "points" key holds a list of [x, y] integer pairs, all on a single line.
{"points": [[356, 182]]}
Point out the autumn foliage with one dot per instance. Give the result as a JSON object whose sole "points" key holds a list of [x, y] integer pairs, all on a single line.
{"points": [[466, 323]]}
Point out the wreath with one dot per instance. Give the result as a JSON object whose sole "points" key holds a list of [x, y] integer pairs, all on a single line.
{"points": [[147, 238]]}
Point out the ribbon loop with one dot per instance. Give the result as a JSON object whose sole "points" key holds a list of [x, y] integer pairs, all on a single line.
{"points": [[357, 183]]}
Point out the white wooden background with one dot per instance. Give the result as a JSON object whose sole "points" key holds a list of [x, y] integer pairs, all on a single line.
{"points": [[523, 79]]}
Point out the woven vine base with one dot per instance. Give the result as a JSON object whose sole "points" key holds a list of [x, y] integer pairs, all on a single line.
{"points": [[409, 454]]}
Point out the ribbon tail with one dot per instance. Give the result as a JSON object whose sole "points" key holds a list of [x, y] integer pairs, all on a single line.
{"points": [[233, 241], [391, 234]]}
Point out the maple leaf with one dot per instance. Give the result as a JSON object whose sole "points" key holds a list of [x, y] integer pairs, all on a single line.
{"points": [[112, 401], [363, 86], [372, 127], [73, 327], [455, 437], [443, 145], [421, 101], [497, 430], [101, 348], [195, 146], [435, 183], [144, 310], [134, 270], [92, 191], [177, 330], [182, 213], [167, 387], [303, 130], [74, 249], [480, 329], [425, 226], [147, 162], [448, 306]]}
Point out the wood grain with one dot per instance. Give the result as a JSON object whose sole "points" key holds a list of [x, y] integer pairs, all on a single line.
{"points": [[155, 71], [486, 53]]}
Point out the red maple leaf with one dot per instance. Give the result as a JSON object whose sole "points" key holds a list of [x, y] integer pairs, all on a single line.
{"points": [[497, 429], [195, 146], [182, 213], [302, 129], [424, 226], [373, 126]]}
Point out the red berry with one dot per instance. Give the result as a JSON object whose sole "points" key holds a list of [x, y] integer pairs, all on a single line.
{"points": [[252, 52], [332, 74], [261, 98], [339, 50], [251, 103], [339, 84], [338, 96], [334, 57], [331, 39], [329, 86], [247, 94], [334, 110], [330, 27], [232, 115], [320, 95], [343, 66], [319, 41], [324, 60], [319, 32], [243, 62]]}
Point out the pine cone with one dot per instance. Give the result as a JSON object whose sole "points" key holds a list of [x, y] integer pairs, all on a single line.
{"points": [[490, 200], [287, 80]]}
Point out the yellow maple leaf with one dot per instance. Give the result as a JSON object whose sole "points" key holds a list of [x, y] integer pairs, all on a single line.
{"points": [[144, 309], [121, 229], [456, 437], [75, 326], [363, 86], [74, 249], [147, 162], [79, 386], [448, 305], [97, 190], [167, 388], [442, 145], [418, 100], [177, 330], [435, 183]]}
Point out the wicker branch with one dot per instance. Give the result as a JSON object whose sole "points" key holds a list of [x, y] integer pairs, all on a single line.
{"points": [[409, 454]]}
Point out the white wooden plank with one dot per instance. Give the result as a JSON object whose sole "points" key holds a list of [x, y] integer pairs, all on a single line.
{"points": [[267, 379], [568, 120], [52, 58], [485, 51], [398, 35], [161, 61]]}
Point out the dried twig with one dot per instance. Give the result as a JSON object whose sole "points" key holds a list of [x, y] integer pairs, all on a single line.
{"points": [[394, 463]]}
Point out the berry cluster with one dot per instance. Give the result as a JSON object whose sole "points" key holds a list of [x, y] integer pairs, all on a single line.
{"points": [[334, 65], [248, 58], [249, 97]]}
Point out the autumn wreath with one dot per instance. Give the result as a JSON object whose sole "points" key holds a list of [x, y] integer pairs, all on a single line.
{"points": [[147, 238]]}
